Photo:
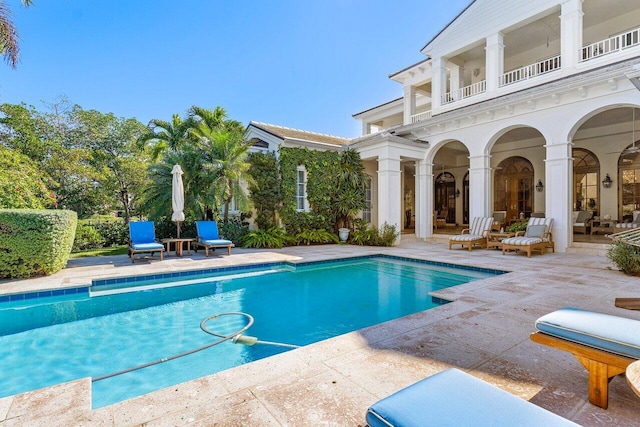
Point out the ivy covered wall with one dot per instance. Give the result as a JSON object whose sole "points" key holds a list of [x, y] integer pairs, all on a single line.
{"points": [[323, 169]]}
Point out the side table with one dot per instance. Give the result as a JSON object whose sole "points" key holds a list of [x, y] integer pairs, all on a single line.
{"points": [[178, 245], [494, 240], [604, 225], [633, 377]]}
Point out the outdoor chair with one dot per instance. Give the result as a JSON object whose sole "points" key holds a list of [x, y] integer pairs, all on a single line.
{"points": [[634, 222], [476, 234], [142, 238], [581, 220], [209, 238], [499, 220], [439, 221], [537, 237], [455, 398], [604, 344]]}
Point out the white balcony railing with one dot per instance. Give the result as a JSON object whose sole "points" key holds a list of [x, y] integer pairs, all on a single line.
{"points": [[610, 45], [530, 71], [425, 115], [465, 92]]}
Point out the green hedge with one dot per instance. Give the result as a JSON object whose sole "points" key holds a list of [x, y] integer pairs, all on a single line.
{"points": [[35, 242]]}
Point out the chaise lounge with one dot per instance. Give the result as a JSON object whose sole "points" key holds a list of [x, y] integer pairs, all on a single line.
{"points": [[209, 238], [604, 344], [142, 238], [455, 398], [537, 237], [474, 235]]}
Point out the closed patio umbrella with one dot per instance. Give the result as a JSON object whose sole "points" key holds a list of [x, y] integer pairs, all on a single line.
{"points": [[177, 196]]}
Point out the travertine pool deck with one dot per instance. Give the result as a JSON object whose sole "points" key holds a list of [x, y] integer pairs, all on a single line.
{"points": [[484, 332]]}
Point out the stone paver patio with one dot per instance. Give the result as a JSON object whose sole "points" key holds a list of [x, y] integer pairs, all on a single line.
{"points": [[484, 332]]}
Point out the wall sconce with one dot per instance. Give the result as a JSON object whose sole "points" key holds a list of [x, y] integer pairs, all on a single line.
{"points": [[607, 181], [457, 192], [539, 186]]}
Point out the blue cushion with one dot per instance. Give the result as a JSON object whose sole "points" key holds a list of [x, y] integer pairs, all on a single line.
{"points": [[142, 232], [217, 242], [207, 230], [454, 398], [615, 334], [147, 246]]}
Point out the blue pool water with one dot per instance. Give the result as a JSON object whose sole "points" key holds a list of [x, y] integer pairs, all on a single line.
{"points": [[53, 339]]}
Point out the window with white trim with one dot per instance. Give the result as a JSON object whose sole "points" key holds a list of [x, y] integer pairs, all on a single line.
{"points": [[301, 190]]}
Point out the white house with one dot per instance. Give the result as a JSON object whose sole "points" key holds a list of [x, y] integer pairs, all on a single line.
{"points": [[523, 107]]}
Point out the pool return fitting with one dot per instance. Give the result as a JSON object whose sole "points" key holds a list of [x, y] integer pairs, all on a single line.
{"points": [[236, 338]]}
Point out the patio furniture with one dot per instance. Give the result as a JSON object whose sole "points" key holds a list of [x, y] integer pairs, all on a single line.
{"points": [[439, 221], [537, 237], [604, 225], [633, 377], [604, 344], [634, 223], [455, 398], [142, 239], [581, 221], [494, 239], [499, 220], [178, 245], [209, 238], [476, 234]]}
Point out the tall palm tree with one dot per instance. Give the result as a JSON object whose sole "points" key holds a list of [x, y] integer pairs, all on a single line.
{"points": [[9, 34], [167, 136]]}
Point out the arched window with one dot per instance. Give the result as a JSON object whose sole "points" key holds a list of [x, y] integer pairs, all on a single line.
{"points": [[586, 181], [513, 187], [629, 177]]}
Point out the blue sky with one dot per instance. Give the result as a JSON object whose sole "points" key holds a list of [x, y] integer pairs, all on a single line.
{"points": [[300, 63]]}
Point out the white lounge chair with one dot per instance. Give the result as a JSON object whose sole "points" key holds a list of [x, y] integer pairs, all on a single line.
{"points": [[475, 235], [537, 237]]}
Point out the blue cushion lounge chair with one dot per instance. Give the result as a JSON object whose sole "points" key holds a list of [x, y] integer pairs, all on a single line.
{"points": [[476, 234], [142, 238], [208, 237], [537, 237], [604, 344], [454, 398]]}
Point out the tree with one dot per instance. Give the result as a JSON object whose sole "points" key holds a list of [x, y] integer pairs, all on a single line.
{"points": [[115, 154], [349, 196], [22, 184], [163, 136], [224, 156], [9, 47]]}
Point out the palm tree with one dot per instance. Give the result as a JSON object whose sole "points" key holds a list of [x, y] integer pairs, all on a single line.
{"points": [[167, 136], [9, 34]]}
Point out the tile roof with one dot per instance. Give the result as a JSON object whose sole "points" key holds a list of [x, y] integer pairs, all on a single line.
{"points": [[289, 133]]}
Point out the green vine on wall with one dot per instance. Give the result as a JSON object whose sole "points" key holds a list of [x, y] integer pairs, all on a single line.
{"points": [[322, 173]]}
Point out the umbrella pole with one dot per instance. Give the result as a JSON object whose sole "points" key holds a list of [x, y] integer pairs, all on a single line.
{"points": [[178, 224]]}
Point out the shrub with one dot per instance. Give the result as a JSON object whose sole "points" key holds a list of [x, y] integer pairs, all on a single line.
{"points": [[517, 226], [87, 237], [317, 236], [113, 233], [234, 229], [35, 242], [626, 257], [371, 236], [274, 237], [165, 228]]}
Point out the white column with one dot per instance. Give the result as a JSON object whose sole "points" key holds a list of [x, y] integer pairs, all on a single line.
{"points": [[455, 80], [409, 103], [389, 191], [571, 33], [438, 83], [494, 61], [479, 186], [558, 197], [424, 199], [366, 128]]}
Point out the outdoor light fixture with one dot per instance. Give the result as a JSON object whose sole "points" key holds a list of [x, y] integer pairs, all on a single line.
{"points": [[539, 186], [607, 181], [457, 192]]}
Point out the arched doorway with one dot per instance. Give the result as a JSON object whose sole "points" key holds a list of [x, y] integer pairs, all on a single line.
{"points": [[629, 177], [445, 195], [586, 181], [513, 187]]}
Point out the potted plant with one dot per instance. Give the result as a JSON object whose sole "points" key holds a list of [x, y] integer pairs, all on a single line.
{"points": [[349, 200]]}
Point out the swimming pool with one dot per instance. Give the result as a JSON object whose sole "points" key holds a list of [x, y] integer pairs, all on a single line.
{"points": [[117, 324]]}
